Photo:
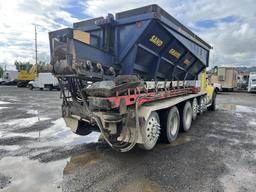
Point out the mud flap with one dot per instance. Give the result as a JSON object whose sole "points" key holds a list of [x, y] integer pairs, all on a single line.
{"points": [[71, 123]]}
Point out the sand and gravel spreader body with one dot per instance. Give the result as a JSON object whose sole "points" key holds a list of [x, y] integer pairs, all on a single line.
{"points": [[137, 77]]}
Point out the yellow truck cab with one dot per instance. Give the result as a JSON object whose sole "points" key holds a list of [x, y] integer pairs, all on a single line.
{"points": [[209, 89]]}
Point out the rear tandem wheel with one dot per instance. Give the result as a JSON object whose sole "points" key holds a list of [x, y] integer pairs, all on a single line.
{"points": [[194, 108], [150, 132], [186, 116], [170, 125]]}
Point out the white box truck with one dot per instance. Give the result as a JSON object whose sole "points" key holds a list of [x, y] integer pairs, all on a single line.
{"points": [[252, 82], [44, 80], [9, 78]]}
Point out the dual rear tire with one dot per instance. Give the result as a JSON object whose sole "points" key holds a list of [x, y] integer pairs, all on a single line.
{"points": [[194, 108], [170, 125], [186, 116], [150, 132], [172, 121], [176, 120]]}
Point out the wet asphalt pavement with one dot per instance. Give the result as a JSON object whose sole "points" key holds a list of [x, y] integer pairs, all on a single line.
{"points": [[38, 153]]}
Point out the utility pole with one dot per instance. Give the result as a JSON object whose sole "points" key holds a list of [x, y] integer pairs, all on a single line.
{"points": [[36, 46]]}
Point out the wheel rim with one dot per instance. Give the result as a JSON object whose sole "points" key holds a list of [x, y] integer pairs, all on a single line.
{"points": [[174, 124], [152, 131]]}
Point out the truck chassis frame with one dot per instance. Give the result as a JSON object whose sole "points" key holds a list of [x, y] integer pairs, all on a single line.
{"points": [[121, 118]]}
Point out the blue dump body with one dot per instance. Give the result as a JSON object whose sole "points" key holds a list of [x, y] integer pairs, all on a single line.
{"points": [[146, 41]]}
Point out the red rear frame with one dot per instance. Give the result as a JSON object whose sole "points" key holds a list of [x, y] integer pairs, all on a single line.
{"points": [[130, 99]]}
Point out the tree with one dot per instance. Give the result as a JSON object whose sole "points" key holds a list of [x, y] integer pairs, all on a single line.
{"points": [[41, 66], [1, 71], [23, 65]]}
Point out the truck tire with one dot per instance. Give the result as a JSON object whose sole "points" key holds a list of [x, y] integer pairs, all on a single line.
{"points": [[30, 87], [186, 116], [202, 105], [150, 132], [194, 108], [212, 107], [21, 84], [170, 125], [50, 88]]}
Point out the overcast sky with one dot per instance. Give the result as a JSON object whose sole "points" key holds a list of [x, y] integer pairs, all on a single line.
{"points": [[229, 26]]}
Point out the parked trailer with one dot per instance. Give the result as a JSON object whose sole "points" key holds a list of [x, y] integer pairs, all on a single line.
{"points": [[137, 79], [226, 76]]}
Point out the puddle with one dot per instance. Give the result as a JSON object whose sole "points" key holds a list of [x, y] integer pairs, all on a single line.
{"points": [[233, 130], [239, 178], [78, 161], [252, 123], [231, 141], [6, 126], [56, 135], [4, 103], [10, 147], [63, 135], [23, 122], [141, 185], [215, 136], [33, 112], [13, 99], [29, 175], [238, 108], [12, 135], [225, 124], [9, 98], [181, 140]]}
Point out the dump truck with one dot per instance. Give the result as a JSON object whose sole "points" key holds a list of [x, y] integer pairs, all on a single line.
{"points": [[137, 77]]}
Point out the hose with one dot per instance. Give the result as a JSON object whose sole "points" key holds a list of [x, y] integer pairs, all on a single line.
{"points": [[74, 87], [133, 143]]}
